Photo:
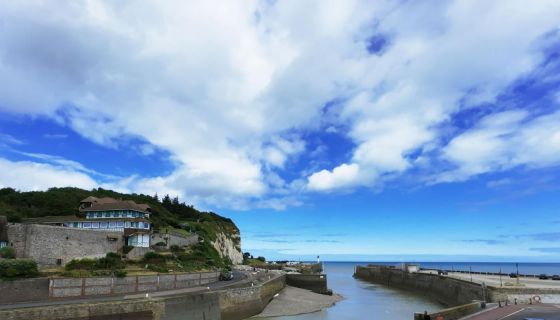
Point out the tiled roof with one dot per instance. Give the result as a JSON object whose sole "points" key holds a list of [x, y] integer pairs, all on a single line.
{"points": [[106, 204]]}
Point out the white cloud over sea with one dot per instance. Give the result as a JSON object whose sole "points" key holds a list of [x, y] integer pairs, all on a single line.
{"points": [[230, 90]]}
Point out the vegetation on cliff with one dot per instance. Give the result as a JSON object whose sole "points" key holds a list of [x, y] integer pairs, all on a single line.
{"points": [[169, 214]]}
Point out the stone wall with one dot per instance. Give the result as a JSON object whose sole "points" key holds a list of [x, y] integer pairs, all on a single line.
{"points": [[454, 313], [450, 291], [314, 282], [242, 303], [446, 290], [49, 245], [94, 286], [174, 239], [25, 290]]}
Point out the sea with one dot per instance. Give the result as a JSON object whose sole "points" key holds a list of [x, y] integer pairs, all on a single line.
{"points": [[363, 300]]}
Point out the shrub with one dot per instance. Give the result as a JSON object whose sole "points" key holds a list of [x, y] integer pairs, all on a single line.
{"points": [[8, 253], [161, 244], [158, 268], [77, 273], [110, 261], [18, 268], [175, 248], [120, 273], [153, 257], [81, 264]]}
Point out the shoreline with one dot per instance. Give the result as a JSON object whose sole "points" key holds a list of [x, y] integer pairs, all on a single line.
{"points": [[293, 301]]}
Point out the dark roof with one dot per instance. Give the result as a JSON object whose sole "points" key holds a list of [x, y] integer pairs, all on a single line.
{"points": [[106, 204]]}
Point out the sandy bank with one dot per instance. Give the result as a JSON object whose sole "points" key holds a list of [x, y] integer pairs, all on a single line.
{"points": [[292, 301]]}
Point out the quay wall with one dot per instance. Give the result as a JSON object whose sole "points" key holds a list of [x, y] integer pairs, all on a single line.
{"points": [[227, 304], [314, 282], [448, 291], [242, 303], [451, 291]]}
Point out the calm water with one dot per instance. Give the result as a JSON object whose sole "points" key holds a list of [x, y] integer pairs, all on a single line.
{"points": [[365, 300], [370, 301]]}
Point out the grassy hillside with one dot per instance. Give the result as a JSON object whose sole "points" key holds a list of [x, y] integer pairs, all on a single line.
{"points": [[167, 213]]}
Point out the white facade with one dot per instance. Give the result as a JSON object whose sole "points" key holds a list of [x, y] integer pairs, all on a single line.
{"points": [[139, 240]]}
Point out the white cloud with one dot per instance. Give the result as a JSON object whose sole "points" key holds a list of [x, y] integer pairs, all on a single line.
{"points": [[26, 175], [343, 176], [223, 86], [502, 141]]}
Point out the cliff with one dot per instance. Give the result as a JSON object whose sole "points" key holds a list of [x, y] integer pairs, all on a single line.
{"points": [[229, 246]]}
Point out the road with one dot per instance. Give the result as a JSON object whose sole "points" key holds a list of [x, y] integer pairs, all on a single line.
{"points": [[519, 312], [239, 278], [506, 281]]}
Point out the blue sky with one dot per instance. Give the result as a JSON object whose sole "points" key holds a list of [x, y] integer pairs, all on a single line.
{"points": [[354, 130]]}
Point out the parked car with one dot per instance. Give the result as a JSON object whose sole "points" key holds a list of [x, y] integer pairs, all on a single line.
{"points": [[226, 276], [543, 277], [513, 275], [555, 277]]}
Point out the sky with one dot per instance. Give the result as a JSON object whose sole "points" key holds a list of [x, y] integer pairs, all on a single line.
{"points": [[354, 130]]}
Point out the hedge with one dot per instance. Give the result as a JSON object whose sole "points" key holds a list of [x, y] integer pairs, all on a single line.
{"points": [[18, 268]]}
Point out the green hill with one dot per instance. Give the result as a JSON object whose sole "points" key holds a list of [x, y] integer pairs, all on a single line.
{"points": [[167, 214]]}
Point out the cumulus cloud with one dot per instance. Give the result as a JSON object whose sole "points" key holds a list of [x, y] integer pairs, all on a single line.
{"points": [[26, 175], [227, 88]]}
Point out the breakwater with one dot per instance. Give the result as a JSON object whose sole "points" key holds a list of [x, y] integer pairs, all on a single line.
{"points": [[452, 291]]}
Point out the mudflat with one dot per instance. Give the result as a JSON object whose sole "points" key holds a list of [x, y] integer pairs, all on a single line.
{"points": [[292, 301]]}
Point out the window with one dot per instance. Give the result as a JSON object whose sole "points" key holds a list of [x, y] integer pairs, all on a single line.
{"points": [[3, 244], [120, 224], [107, 214], [95, 225], [115, 214], [89, 215], [103, 225], [75, 225], [99, 214], [112, 225], [87, 225], [127, 224]]}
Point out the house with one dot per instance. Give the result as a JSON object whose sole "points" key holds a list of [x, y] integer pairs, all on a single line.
{"points": [[108, 214]]}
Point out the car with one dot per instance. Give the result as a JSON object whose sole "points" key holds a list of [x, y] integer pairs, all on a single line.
{"points": [[513, 275], [226, 276], [555, 277], [543, 276]]}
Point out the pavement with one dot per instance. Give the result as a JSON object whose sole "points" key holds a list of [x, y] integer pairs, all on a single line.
{"points": [[519, 312], [239, 278], [503, 281]]}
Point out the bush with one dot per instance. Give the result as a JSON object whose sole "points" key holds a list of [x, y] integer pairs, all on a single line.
{"points": [[78, 273], [8, 253], [153, 257], [161, 244], [18, 268], [120, 273], [81, 264], [175, 248], [158, 268]]}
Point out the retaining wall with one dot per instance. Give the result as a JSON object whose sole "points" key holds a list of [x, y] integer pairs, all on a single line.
{"points": [[454, 313], [24, 290], [52, 245], [314, 282], [242, 303], [227, 304], [84, 287]]}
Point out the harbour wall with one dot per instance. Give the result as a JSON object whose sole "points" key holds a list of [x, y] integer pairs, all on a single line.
{"points": [[451, 291], [227, 304], [314, 282], [448, 291]]}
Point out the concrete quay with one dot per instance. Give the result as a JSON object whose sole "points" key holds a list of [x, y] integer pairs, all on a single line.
{"points": [[501, 281]]}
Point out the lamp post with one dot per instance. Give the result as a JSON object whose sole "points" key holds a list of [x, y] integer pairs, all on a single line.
{"points": [[500, 277], [517, 267], [470, 271]]}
